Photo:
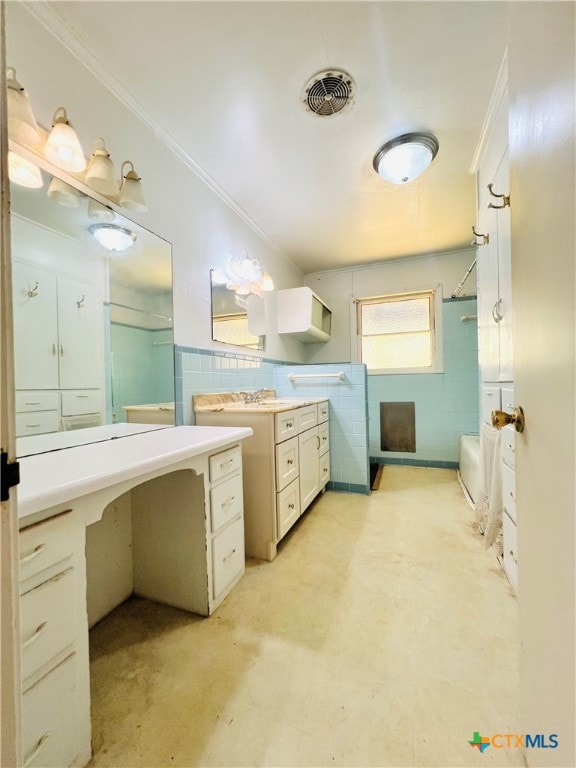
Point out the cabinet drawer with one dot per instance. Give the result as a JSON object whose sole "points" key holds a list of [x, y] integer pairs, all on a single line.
{"points": [[288, 507], [509, 491], [49, 718], [44, 546], [510, 547], [37, 401], [324, 469], [225, 463], [226, 501], [508, 403], [286, 463], [324, 434], [490, 402], [37, 423], [47, 621], [227, 556], [323, 412], [509, 446], [306, 417], [75, 402], [285, 425]]}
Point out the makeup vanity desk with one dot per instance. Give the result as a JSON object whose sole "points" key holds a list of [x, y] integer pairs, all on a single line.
{"points": [[187, 550]]}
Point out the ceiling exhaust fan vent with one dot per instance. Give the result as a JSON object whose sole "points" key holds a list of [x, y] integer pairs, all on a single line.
{"points": [[328, 93]]}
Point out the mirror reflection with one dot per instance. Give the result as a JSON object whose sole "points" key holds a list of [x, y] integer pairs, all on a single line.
{"points": [[92, 306], [236, 319]]}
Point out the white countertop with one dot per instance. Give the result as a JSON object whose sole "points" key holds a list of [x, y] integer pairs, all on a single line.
{"points": [[57, 477], [56, 441], [273, 405]]}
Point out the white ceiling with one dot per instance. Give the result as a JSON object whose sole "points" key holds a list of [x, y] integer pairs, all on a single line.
{"points": [[225, 79]]}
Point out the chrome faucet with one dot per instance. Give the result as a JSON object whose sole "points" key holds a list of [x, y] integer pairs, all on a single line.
{"points": [[254, 397]]}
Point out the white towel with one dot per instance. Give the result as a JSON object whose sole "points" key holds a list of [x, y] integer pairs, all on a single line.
{"points": [[489, 504]]}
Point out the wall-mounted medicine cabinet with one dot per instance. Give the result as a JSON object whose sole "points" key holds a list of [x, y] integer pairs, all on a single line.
{"points": [[303, 315]]}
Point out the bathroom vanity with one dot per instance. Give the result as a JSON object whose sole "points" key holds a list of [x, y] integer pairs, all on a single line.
{"points": [[185, 489], [286, 461]]}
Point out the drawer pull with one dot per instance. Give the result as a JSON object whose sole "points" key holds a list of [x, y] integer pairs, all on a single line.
{"points": [[289, 424], [32, 403], [30, 426], [290, 461], [324, 439], [229, 501], [225, 463], [34, 754], [83, 396], [511, 495], [291, 506], [37, 632], [489, 394], [35, 552], [511, 448], [513, 556], [229, 555], [325, 470]]}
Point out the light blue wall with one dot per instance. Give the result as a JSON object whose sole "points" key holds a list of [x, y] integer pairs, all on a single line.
{"points": [[446, 403], [141, 367], [201, 371], [349, 469]]}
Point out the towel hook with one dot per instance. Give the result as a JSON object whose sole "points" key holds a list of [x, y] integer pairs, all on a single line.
{"points": [[505, 198], [33, 291], [80, 303], [485, 238]]}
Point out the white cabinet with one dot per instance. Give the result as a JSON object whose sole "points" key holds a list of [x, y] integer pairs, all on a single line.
{"points": [[58, 328], [303, 315], [286, 464], [54, 636]]}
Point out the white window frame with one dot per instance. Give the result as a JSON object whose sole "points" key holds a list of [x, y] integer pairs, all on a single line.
{"points": [[435, 294]]}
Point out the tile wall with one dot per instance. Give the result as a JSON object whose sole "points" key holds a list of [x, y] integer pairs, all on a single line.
{"points": [[200, 370], [446, 403]]}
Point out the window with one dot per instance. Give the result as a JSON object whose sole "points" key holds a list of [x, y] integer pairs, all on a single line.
{"points": [[396, 333]]}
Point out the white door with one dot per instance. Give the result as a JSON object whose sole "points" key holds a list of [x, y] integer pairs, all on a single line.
{"points": [[542, 162], [504, 307], [35, 327], [80, 329]]}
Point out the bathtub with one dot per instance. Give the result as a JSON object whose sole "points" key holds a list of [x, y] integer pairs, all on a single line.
{"points": [[469, 458]]}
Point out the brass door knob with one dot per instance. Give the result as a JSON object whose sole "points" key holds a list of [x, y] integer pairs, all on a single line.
{"points": [[502, 419]]}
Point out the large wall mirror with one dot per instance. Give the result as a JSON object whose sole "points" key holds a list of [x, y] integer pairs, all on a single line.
{"points": [[236, 319], [92, 304]]}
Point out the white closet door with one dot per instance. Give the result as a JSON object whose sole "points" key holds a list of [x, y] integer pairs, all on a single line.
{"points": [[488, 306], [502, 185], [80, 331], [35, 327]]}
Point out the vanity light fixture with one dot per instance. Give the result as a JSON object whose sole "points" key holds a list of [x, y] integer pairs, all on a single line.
{"points": [[63, 193], [251, 277], [100, 174], [131, 193], [404, 158], [113, 237], [22, 125], [63, 147], [23, 172]]}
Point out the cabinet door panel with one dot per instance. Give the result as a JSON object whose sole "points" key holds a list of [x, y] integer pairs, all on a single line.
{"points": [[35, 327], [309, 445], [79, 328]]}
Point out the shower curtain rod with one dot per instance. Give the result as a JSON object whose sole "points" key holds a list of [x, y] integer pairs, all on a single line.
{"points": [[142, 311], [461, 283]]}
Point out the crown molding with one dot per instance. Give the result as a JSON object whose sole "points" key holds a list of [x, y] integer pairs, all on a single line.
{"points": [[45, 15]]}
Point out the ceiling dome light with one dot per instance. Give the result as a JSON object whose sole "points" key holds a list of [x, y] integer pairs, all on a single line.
{"points": [[63, 147], [404, 158], [112, 237], [23, 172], [22, 125]]}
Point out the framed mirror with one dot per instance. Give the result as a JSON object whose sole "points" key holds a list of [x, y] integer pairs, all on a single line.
{"points": [[237, 320], [92, 308]]}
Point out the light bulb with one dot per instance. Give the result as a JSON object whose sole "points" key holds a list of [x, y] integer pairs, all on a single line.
{"points": [[23, 172], [63, 147]]}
